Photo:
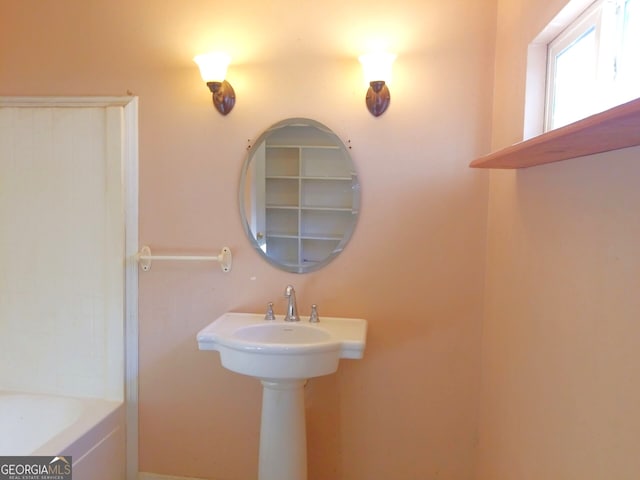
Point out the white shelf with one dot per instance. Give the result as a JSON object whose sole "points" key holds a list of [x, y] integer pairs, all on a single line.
{"points": [[326, 209], [283, 207], [298, 147], [302, 177]]}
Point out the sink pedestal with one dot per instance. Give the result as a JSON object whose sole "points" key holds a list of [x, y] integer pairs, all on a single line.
{"points": [[283, 440], [283, 355]]}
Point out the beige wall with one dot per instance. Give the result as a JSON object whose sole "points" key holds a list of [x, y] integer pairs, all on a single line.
{"points": [[414, 269], [560, 389]]}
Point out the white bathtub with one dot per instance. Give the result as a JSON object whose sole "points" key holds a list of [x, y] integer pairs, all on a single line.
{"points": [[90, 430]]}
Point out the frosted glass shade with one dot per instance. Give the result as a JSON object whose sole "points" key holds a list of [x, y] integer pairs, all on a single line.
{"points": [[377, 66], [213, 66]]}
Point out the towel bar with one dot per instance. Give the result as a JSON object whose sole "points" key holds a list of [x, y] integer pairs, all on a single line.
{"points": [[144, 258]]}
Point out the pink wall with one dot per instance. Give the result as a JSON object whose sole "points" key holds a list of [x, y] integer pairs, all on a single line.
{"points": [[560, 389], [414, 269]]}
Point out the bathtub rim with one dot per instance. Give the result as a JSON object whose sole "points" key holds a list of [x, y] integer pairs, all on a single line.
{"points": [[98, 418]]}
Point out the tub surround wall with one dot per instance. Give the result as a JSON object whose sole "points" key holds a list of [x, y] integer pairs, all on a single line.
{"points": [[61, 293], [414, 267], [560, 383]]}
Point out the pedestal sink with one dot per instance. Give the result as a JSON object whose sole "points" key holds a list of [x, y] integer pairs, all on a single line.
{"points": [[283, 355]]}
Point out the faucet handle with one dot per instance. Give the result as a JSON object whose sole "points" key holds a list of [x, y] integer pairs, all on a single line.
{"points": [[314, 314], [269, 315]]}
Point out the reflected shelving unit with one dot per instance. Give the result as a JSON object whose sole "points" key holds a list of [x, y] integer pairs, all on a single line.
{"points": [[308, 201]]}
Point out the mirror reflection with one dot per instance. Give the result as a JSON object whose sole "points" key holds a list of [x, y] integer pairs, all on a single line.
{"points": [[299, 195]]}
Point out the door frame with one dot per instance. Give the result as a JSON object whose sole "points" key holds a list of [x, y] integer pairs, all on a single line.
{"points": [[129, 170]]}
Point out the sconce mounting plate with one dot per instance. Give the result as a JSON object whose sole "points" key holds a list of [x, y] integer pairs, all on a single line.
{"points": [[224, 97], [378, 98]]}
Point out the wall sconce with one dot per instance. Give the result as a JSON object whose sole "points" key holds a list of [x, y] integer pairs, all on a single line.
{"points": [[213, 69], [377, 72]]}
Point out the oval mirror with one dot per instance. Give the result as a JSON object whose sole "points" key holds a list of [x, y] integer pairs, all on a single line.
{"points": [[299, 195]]}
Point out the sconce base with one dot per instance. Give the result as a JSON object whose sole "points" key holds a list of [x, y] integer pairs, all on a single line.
{"points": [[224, 97], [378, 98]]}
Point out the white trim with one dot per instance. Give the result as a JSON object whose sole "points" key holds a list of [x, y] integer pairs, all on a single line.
{"points": [[130, 179], [535, 90], [572, 10], [130, 184], [155, 476], [588, 21], [72, 102], [534, 108]]}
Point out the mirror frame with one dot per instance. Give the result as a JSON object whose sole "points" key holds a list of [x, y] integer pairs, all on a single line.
{"points": [[355, 186]]}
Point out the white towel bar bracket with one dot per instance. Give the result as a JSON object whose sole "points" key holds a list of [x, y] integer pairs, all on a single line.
{"points": [[144, 258]]}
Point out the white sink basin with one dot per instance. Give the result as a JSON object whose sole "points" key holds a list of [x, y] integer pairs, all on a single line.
{"points": [[281, 333], [276, 350]]}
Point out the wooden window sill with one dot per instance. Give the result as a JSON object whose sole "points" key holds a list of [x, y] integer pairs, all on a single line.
{"points": [[618, 127]]}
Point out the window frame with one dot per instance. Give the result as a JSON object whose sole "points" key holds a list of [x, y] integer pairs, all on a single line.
{"points": [[590, 18], [606, 18]]}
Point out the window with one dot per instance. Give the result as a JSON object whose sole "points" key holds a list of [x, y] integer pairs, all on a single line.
{"points": [[594, 64]]}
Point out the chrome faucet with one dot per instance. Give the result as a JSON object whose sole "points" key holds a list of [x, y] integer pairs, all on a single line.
{"points": [[292, 308]]}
